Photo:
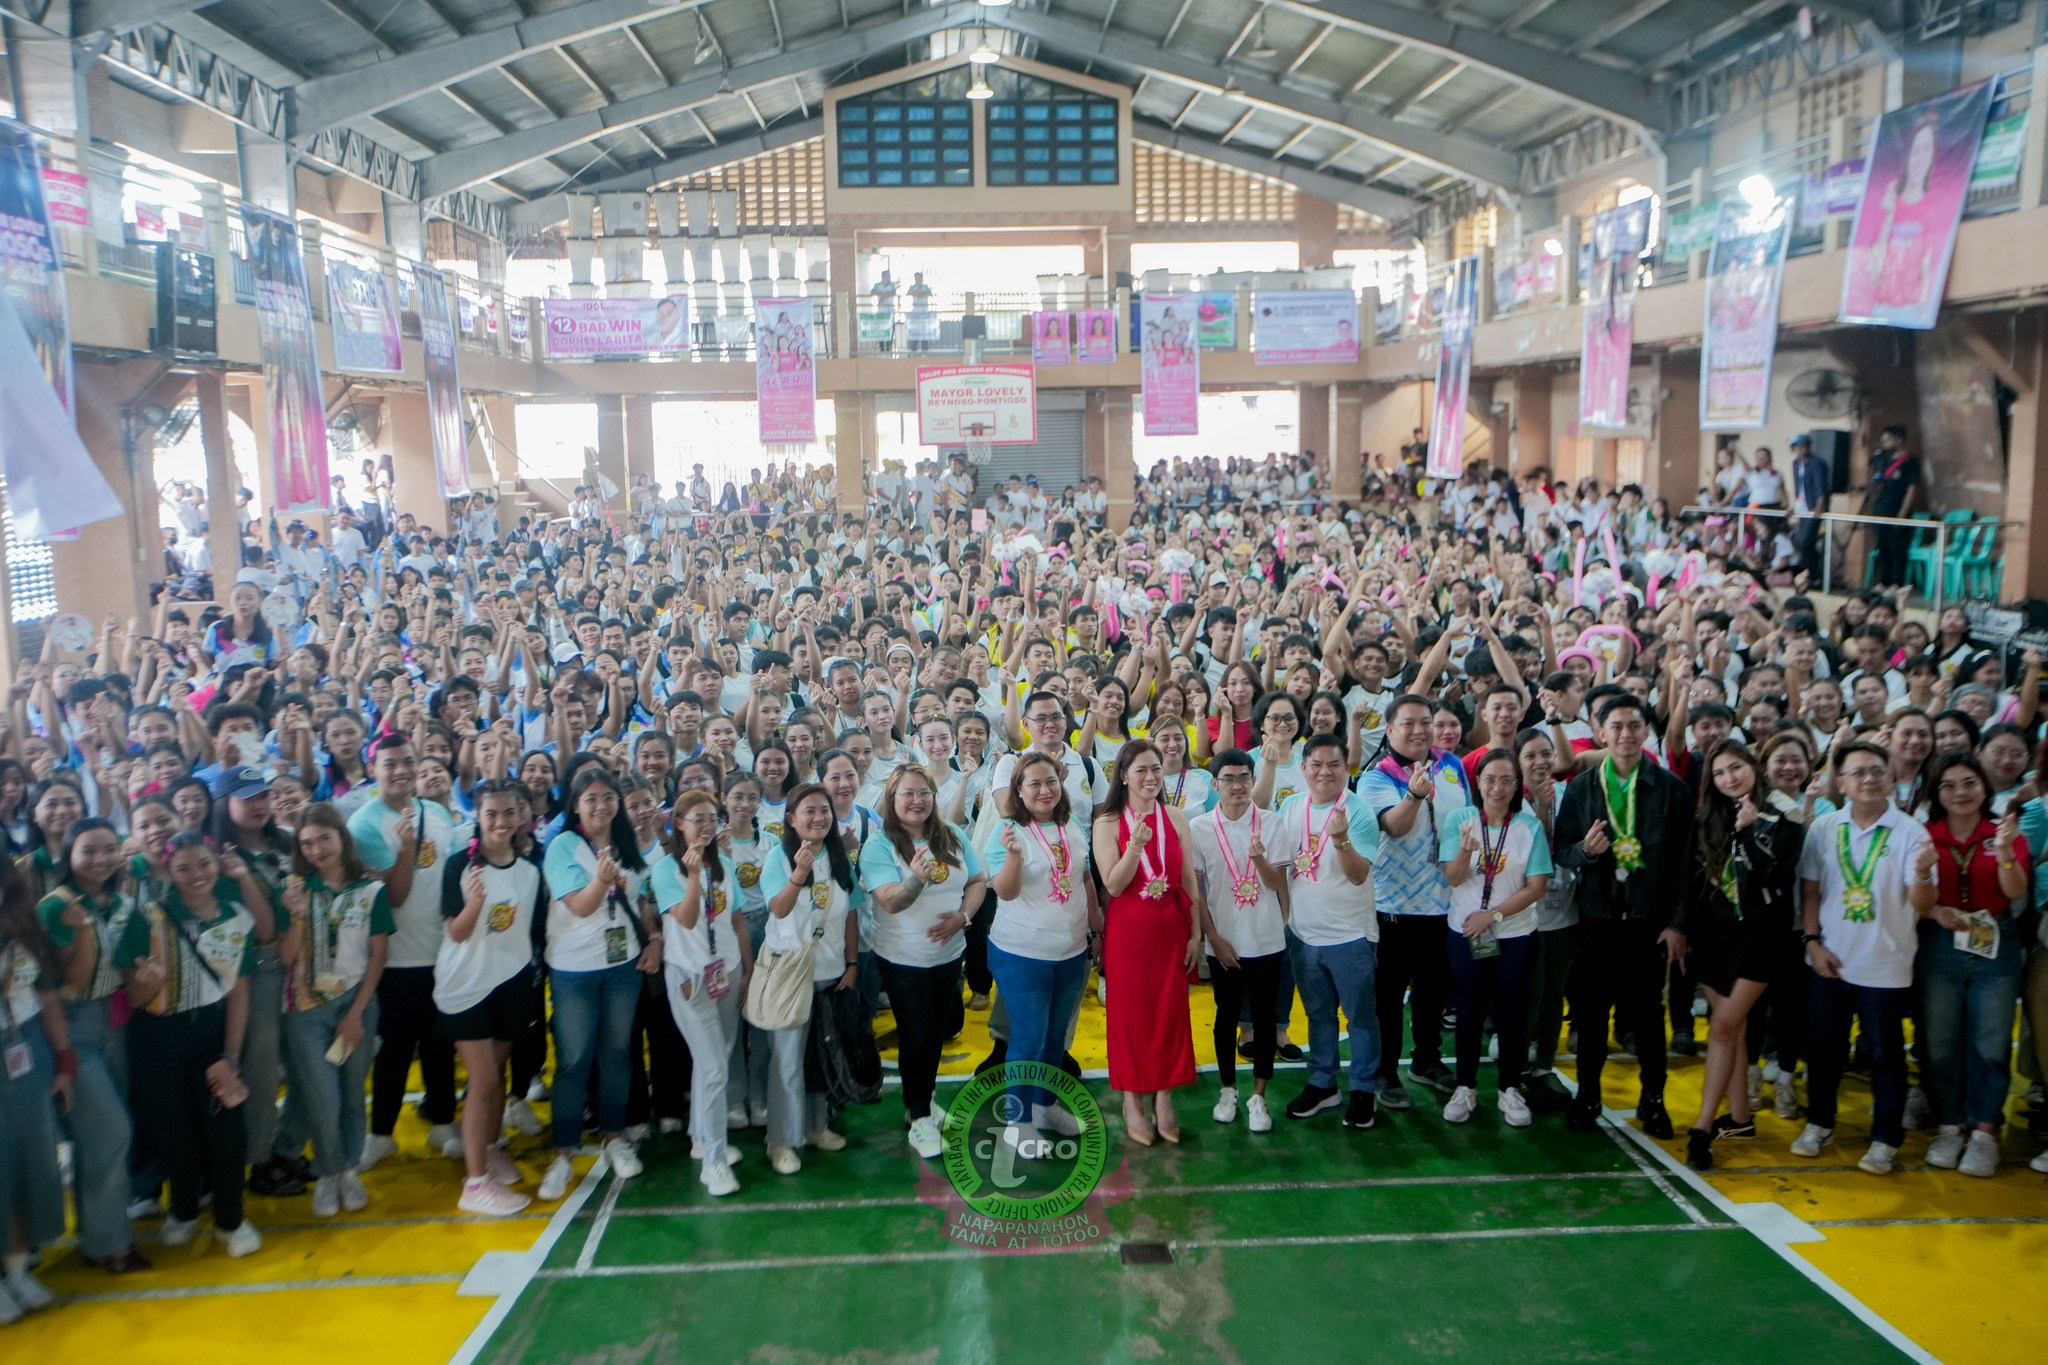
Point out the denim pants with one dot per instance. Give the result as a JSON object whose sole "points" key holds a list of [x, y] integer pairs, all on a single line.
{"points": [[1881, 1014], [262, 1058], [708, 1027], [1497, 985], [593, 1026], [782, 1050], [1040, 996], [31, 1189], [1966, 1009], [330, 1097], [1340, 974], [99, 1129]]}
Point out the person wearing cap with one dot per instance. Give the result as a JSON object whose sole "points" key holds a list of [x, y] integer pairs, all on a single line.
{"points": [[1810, 481]]}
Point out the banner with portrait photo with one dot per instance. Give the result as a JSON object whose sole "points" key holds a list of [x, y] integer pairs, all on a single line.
{"points": [[1050, 338], [1170, 364], [785, 376], [1096, 344], [31, 266], [1741, 333], [581, 328], [362, 318], [1304, 327], [1218, 313], [1912, 202], [1454, 371], [296, 407], [444, 388], [1610, 314]]}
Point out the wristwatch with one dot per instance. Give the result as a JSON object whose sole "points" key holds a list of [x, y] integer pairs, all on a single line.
{"points": [[1805, 939], [1498, 916]]}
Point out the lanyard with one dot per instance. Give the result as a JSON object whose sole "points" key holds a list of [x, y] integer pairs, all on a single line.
{"points": [[1493, 859], [1311, 855], [1061, 859], [1154, 877]]}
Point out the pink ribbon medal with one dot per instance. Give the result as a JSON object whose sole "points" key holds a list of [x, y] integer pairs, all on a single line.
{"points": [[1154, 875], [1057, 854], [1244, 878], [1311, 855]]}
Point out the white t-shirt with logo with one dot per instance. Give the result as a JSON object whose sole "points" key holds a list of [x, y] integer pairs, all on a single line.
{"points": [[1877, 951], [806, 918], [602, 939], [501, 945], [1327, 910], [900, 937], [1524, 853], [1033, 924], [1254, 930], [690, 951], [375, 826]]}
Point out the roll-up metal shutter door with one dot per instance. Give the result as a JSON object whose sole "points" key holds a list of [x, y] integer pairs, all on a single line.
{"points": [[1056, 457]]}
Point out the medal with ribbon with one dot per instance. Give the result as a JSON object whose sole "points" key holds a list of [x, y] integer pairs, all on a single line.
{"points": [[1621, 814], [1311, 855], [939, 869], [1057, 854], [1859, 902], [1244, 880], [1154, 875]]}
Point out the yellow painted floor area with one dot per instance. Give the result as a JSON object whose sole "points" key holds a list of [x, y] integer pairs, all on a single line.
{"points": [[388, 1275]]}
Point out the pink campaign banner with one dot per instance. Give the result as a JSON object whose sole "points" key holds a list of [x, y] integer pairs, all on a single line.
{"points": [[1742, 314], [65, 193], [1171, 365], [785, 379], [594, 327], [1453, 372], [1049, 338], [1098, 336], [1610, 314], [1912, 202]]}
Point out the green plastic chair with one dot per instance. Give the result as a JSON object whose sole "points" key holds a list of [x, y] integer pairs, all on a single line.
{"points": [[1921, 565], [1982, 573], [1968, 551], [1918, 558]]}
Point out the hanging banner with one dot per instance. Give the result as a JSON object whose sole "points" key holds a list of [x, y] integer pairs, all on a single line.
{"points": [[993, 403], [1170, 366], [1305, 327], [1912, 202], [1610, 314], [1454, 371], [1098, 336], [444, 389], [1690, 230], [920, 326], [785, 380], [297, 408], [581, 328], [1742, 314], [1049, 339], [362, 318], [1218, 311], [1998, 156], [68, 198], [30, 266]]}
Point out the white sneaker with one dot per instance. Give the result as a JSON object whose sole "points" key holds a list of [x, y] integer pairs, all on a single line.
{"points": [[486, 1196], [1878, 1160], [1460, 1105], [1918, 1110], [26, 1290], [1056, 1118], [1756, 1087], [538, 1091], [327, 1196], [1770, 1069], [2039, 1163], [555, 1183], [376, 1147], [1514, 1108], [445, 1139], [757, 1114], [1226, 1107], [718, 1178], [625, 1162], [924, 1138], [499, 1167], [520, 1118], [243, 1241], [1258, 1120], [140, 1209], [736, 1116], [1947, 1147], [1981, 1160], [1784, 1096], [176, 1232], [784, 1160], [1809, 1142], [669, 1127], [825, 1140], [354, 1197], [732, 1153], [10, 1311]]}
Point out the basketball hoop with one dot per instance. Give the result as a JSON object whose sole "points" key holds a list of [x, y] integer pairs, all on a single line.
{"points": [[980, 450]]}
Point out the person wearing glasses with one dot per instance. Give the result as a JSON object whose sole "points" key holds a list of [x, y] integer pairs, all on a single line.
{"points": [[1867, 877], [1244, 920]]}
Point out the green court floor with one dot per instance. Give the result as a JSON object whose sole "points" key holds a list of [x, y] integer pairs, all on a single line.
{"points": [[1417, 1240]]}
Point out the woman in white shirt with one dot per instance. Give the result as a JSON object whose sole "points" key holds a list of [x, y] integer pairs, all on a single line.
{"points": [[810, 893], [602, 939], [747, 845], [1497, 861], [926, 883], [1185, 788], [707, 960], [1046, 919]]}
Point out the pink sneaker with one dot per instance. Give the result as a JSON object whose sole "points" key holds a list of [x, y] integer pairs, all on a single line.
{"points": [[486, 1196], [502, 1169]]}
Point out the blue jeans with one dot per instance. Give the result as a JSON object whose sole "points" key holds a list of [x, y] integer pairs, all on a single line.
{"points": [[1966, 1008], [99, 1130], [1041, 996], [1341, 974], [593, 1024], [331, 1097], [1881, 1013]]}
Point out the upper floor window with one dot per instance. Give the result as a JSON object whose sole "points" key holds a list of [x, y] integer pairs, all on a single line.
{"points": [[919, 133], [1042, 133]]}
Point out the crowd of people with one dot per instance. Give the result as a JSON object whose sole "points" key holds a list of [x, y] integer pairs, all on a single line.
{"points": [[650, 812]]}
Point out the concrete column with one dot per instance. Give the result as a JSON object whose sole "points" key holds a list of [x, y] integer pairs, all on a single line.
{"points": [[107, 569], [1568, 264], [1532, 421], [611, 445], [1106, 434], [1313, 429], [842, 277], [1675, 463], [639, 437], [1347, 440], [222, 536], [408, 435], [2026, 545], [250, 402], [1315, 230], [269, 177], [854, 433]]}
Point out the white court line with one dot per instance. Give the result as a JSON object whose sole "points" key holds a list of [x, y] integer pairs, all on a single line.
{"points": [[588, 1256], [1664, 1186], [529, 1265]]}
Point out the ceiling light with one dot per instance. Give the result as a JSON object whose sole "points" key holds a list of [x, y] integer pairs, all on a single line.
{"points": [[995, 4], [1552, 247], [705, 48], [1261, 50], [984, 54], [979, 90], [1757, 190]]}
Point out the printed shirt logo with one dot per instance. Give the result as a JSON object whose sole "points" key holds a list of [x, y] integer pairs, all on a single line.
{"points": [[503, 915], [748, 874]]}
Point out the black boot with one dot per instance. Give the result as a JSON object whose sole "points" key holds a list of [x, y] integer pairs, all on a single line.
{"points": [[1650, 1113], [1699, 1149], [1583, 1115]]}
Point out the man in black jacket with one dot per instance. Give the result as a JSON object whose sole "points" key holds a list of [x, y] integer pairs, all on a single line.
{"points": [[1626, 828]]}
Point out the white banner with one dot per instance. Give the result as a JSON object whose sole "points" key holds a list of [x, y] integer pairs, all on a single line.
{"points": [[994, 403], [1304, 327]]}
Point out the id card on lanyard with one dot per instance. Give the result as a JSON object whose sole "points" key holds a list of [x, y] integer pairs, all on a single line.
{"points": [[716, 983]]}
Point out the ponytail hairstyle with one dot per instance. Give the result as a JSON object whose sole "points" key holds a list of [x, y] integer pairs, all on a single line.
{"points": [[678, 843], [836, 855]]}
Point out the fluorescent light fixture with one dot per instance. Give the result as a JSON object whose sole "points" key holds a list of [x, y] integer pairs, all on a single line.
{"points": [[1757, 190], [983, 54], [979, 90], [1552, 247]]}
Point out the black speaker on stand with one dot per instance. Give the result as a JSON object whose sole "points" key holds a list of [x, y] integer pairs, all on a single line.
{"points": [[1831, 448]]}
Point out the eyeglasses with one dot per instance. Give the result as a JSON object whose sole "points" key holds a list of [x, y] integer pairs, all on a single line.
{"points": [[1236, 779], [1864, 774]]}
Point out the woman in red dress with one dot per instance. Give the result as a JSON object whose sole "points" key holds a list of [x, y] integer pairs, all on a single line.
{"points": [[1150, 942]]}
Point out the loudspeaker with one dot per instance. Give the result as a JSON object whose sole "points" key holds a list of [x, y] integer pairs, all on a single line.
{"points": [[185, 323], [974, 327], [1831, 448]]}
